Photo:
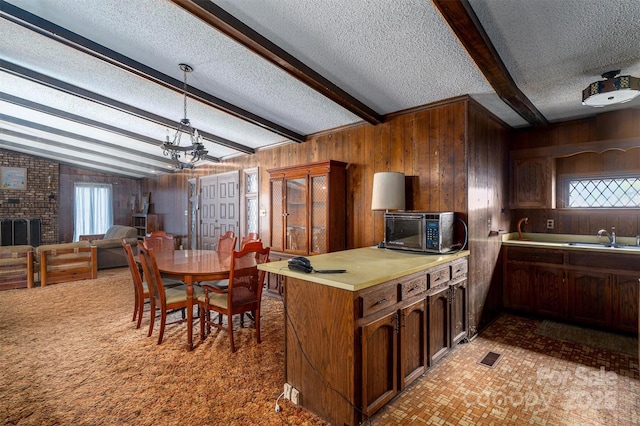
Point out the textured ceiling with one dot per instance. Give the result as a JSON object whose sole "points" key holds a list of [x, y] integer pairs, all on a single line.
{"points": [[388, 55]]}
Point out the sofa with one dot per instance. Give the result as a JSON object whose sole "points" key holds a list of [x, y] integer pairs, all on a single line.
{"points": [[109, 245], [66, 262], [16, 267]]}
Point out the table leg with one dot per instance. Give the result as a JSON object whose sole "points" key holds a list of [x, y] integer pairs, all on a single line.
{"points": [[189, 282]]}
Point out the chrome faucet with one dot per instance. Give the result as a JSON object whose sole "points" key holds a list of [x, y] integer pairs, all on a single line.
{"points": [[612, 236]]}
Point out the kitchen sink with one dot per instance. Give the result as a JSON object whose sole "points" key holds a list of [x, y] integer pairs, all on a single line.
{"points": [[604, 245]]}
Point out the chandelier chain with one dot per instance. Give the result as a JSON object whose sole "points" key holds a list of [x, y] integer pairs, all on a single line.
{"points": [[184, 156], [184, 87]]}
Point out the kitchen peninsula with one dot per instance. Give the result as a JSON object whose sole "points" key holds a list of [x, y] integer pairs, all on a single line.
{"points": [[354, 340]]}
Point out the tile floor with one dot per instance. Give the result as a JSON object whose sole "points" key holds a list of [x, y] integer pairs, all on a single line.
{"points": [[537, 380]]}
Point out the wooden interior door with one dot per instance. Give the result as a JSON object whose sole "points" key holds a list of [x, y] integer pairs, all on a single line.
{"points": [[220, 207]]}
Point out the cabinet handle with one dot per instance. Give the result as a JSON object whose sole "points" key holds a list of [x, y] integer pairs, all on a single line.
{"points": [[379, 302]]}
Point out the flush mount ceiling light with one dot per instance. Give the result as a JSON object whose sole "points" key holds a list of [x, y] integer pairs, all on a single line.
{"points": [[185, 156], [612, 90]]}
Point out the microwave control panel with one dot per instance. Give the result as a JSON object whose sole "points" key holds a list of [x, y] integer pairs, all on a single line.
{"points": [[433, 234]]}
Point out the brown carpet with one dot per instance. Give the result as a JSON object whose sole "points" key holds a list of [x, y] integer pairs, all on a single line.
{"points": [[71, 355]]}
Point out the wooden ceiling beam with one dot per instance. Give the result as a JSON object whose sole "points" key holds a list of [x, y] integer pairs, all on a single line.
{"points": [[464, 23], [55, 32], [226, 23]]}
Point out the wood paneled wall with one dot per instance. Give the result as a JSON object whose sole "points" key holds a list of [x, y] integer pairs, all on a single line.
{"points": [[428, 146], [488, 141], [454, 155], [611, 128]]}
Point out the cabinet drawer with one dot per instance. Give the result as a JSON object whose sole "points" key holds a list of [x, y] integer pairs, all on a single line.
{"points": [[459, 269], [438, 276], [535, 255], [378, 300], [413, 287]]}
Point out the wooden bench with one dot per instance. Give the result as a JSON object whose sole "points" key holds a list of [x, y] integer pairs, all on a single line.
{"points": [[67, 262]]}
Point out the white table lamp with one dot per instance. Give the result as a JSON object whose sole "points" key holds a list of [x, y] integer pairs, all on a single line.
{"points": [[388, 191]]}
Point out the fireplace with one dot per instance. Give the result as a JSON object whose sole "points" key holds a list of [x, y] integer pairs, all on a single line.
{"points": [[14, 232]]}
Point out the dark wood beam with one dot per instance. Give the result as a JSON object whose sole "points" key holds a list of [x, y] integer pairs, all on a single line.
{"points": [[112, 103], [55, 32], [226, 23], [467, 27]]}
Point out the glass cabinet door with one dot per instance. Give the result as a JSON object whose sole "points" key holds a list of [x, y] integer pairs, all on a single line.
{"points": [[296, 215], [277, 215], [319, 198]]}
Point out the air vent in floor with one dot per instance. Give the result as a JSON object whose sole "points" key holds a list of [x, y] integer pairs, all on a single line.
{"points": [[490, 359]]}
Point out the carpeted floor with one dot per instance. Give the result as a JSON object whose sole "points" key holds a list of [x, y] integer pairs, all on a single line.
{"points": [[71, 356]]}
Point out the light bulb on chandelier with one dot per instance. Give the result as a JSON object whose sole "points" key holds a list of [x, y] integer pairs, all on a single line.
{"points": [[186, 156]]}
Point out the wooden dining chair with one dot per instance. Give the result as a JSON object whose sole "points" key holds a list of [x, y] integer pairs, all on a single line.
{"points": [[227, 242], [244, 294], [160, 241], [140, 288], [251, 237], [161, 297]]}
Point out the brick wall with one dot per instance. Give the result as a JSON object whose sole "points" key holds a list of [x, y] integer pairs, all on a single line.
{"points": [[34, 202]]}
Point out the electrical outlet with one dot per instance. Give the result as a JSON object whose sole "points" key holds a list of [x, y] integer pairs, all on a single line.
{"points": [[551, 223], [295, 396], [287, 391]]}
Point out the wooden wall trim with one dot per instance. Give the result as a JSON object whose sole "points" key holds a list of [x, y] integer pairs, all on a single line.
{"points": [[568, 150]]}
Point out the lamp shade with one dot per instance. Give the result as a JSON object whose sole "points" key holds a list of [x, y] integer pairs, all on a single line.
{"points": [[388, 191]]}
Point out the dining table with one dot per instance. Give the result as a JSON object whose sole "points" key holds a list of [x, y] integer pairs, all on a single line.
{"points": [[193, 266]]}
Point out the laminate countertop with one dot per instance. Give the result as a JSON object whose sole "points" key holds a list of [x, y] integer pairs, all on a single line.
{"points": [[624, 245], [365, 267]]}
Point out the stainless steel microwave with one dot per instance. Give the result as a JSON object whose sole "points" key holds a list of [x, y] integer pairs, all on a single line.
{"points": [[419, 231]]}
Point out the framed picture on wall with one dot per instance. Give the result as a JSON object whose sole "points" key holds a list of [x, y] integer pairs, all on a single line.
{"points": [[14, 178]]}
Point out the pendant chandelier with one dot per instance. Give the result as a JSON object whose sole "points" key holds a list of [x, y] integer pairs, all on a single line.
{"points": [[185, 156]]}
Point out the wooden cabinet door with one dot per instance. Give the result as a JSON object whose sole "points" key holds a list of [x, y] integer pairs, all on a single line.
{"points": [[518, 287], [550, 292], [590, 298], [308, 208], [274, 283], [459, 317], [532, 183], [625, 302], [413, 342], [379, 362], [438, 326], [296, 215], [277, 214]]}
